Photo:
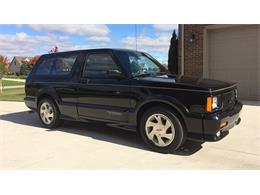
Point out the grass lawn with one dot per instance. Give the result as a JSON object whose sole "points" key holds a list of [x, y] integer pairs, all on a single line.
{"points": [[15, 77], [11, 83], [12, 95]]}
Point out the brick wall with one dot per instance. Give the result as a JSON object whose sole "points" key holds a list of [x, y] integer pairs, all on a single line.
{"points": [[193, 51]]}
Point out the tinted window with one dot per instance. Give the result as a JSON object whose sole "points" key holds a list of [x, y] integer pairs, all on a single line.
{"points": [[98, 65], [45, 66], [56, 65]]}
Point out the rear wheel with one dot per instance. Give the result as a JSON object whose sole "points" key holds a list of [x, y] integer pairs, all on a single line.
{"points": [[48, 113], [162, 130]]}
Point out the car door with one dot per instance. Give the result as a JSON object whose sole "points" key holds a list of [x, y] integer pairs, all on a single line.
{"points": [[103, 90]]}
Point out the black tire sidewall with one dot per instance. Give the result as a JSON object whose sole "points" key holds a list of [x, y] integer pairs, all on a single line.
{"points": [[180, 134], [55, 121]]}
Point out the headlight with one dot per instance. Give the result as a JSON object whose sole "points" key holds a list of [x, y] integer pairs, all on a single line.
{"points": [[212, 103]]}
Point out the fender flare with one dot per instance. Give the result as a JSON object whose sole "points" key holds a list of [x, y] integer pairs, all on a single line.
{"points": [[48, 92], [171, 101]]}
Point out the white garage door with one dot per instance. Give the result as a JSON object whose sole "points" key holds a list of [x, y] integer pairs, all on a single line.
{"points": [[233, 55]]}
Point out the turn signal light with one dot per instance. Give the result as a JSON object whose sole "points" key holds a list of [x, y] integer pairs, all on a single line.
{"points": [[223, 124], [209, 104]]}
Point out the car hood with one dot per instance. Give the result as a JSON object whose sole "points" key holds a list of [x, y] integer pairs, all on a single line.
{"points": [[185, 82]]}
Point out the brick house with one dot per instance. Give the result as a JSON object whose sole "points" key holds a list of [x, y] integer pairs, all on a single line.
{"points": [[225, 52]]}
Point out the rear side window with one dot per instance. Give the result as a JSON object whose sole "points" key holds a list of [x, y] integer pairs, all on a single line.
{"points": [[45, 66], [57, 65], [97, 65]]}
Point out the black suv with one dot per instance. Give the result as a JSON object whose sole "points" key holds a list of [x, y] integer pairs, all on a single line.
{"points": [[131, 90]]}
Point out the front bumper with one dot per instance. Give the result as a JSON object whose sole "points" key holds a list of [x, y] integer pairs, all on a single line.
{"points": [[212, 122]]}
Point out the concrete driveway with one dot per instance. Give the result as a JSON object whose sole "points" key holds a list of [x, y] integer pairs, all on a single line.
{"points": [[24, 144]]}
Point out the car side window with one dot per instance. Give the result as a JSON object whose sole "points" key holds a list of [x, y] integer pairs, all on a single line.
{"points": [[55, 66], [63, 65], [98, 65], [45, 66]]}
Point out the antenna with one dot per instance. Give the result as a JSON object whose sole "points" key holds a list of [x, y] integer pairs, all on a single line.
{"points": [[136, 37]]}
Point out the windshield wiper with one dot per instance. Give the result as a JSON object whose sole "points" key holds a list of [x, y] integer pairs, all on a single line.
{"points": [[145, 74], [162, 73]]}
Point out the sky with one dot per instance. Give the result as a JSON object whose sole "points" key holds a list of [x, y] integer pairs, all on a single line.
{"points": [[38, 39]]}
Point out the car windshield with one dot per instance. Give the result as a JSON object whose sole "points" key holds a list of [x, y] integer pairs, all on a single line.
{"points": [[140, 64]]}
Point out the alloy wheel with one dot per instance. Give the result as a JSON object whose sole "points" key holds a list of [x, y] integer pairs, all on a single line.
{"points": [[160, 130], [46, 113]]}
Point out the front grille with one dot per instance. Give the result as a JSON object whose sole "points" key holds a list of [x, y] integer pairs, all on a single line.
{"points": [[229, 100]]}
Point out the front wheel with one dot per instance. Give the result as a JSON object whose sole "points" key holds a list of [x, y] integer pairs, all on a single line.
{"points": [[162, 130]]}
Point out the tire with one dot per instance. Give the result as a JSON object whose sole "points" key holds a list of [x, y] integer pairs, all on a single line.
{"points": [[53, 119], [165, 136]]}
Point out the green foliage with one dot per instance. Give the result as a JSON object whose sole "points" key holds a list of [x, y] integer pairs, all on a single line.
{"points": [[2, 69], [25, 69], [173, 54]]}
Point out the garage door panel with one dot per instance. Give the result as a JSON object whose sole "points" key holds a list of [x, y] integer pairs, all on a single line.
{"points": [[233, 55], [241, 30], [229, 75], [254, 92], [247, 63]]}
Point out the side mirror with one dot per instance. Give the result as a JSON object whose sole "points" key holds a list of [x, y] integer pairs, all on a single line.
{"points": [[115, 74]]}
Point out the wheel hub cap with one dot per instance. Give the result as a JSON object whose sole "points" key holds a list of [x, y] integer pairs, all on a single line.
{"points": [[46, 113], [160, 130]]}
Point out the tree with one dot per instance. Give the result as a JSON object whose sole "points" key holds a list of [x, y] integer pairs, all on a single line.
{"points": [[4, 60], [173, 54], [2, 68], [25, 69], [33, 61]]}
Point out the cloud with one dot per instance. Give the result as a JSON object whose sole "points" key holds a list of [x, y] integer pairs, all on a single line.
{"points": [[99, 39], [148, 44], [157, 45], [72, 29], [24, 44], [165, 27]]}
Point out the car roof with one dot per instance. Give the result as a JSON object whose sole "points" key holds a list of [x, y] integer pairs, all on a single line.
{"points": [[90, 50]]}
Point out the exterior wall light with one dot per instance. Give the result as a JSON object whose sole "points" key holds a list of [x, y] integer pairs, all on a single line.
{"points": [[192, 37]]}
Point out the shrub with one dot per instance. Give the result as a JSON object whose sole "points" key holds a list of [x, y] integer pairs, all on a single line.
{"points": [[2, 69], [25, 69]]}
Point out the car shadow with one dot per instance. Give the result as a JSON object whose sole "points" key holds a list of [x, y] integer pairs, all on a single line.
{"points": [[97, 131]]}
